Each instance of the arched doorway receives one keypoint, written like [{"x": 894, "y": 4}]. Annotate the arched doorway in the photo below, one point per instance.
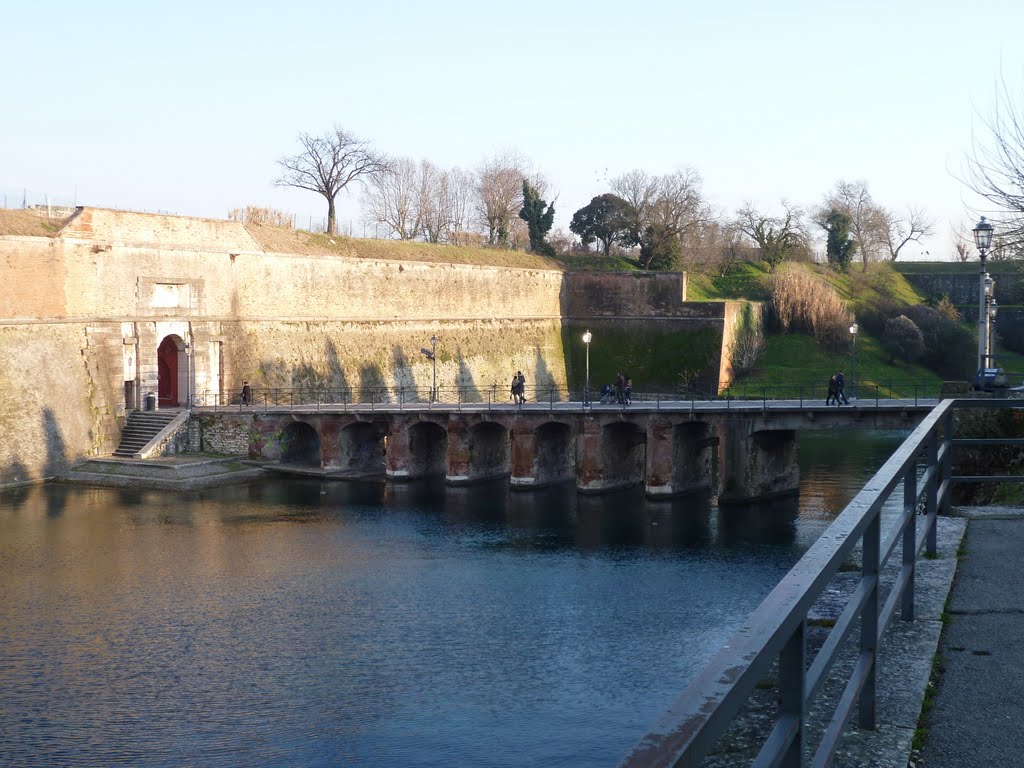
[{"x": 167, "y": 359}]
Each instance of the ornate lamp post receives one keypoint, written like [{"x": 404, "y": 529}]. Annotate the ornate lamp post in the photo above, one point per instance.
[
  {"x": 853, "y": 365},
  {"x": 587, "y": 336},
  {"x": 983, "y": 240}
]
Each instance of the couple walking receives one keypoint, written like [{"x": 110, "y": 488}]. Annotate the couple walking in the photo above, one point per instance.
[
  {"x": 519, "y": 388},
  {"x": 837, "y": 390}
]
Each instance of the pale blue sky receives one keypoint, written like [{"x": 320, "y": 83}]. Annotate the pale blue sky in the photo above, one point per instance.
[{"x": 186, "y": 107}]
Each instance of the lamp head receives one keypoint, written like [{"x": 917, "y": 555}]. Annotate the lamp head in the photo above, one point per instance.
[
  {"x": 587, "y": 336},
  {"x": 983, "y": 236},
  {"x": 854, "y": 328}
]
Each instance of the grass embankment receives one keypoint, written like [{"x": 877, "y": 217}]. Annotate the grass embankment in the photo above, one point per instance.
[
  {"x": 795, "y": 362},
  {"x": 281, "y": 240},
  {"x": 28, "y": 223}
]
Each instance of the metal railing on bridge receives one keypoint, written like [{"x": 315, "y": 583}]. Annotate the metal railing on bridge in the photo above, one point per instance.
[
  {"x": 775, "y": 633},
  {"x": 494, "y": 395}
]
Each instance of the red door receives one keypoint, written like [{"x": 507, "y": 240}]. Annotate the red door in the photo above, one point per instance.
[{"x": 167, "y": 369}]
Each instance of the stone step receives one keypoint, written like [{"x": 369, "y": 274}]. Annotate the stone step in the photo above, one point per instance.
[{"x": 142, "y": 427}]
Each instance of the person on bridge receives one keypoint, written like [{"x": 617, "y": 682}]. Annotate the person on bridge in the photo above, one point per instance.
[
  {"x": 628, "y": 392},
  {"x": 620, "y": 389},
  {"x": 833, "y": 391},
  {"x": 841, "y": 389},
  {"x": 246, "y": 393}
]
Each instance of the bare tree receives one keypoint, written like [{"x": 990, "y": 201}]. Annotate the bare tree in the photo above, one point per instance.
[
  {"x": 327, "y": 164},
  {"x": 457, "y": 194},
  {"x": 499, "y": 195},
  {"x": 962, "y": 243},
  {"x": 662, "y": 211},
  {"x": 908, "y": 229},
  {"x": 777, "y": 237},
  {"x": 996, "y": 165},
  {"x": 394, "y": 198},
  {"x": 868, "y": 221}
]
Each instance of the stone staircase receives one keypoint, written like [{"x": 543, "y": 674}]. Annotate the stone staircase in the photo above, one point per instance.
[{"x": 142, "y": 427}]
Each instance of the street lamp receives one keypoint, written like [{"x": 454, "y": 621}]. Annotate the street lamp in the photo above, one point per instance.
[
  {"x": 587, "y": 336},
  {"x": 983, "y": 240},
  {"x": 431, "y": 355},
  {"x": 853, "y": 366}
]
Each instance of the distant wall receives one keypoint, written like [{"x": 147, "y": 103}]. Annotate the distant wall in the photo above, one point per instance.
[
  {"x": 82, "y": 315},
  {"x": 627, "y": 294}
]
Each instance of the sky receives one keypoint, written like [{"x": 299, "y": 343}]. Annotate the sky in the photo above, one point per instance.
[{"x": 186, "y": 107}]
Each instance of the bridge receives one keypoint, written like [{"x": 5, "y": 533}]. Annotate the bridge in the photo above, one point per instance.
[{"x": 664, "y": 444}]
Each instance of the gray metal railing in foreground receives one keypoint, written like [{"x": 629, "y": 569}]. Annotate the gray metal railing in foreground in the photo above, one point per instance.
[{"x": 776, "y": 630}]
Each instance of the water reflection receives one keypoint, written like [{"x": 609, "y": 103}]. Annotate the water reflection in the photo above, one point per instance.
[{"x": 300, "y": 622}]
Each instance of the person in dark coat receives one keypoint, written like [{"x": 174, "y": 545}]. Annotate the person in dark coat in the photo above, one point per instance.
[
  {"x": 246, "y": 393},
  {"x": 841, "y": 389},
  {"x": 620, "y": 388},
  {"x": 833, "y": 390}
]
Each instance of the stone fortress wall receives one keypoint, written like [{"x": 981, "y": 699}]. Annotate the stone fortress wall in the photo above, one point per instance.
[{"x": 83, "y": 313}]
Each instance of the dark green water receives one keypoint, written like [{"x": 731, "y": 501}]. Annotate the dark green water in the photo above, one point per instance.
[{"x": 307, "y": 624}]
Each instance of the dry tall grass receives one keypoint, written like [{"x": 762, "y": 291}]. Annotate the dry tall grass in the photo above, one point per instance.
[
  {"x": 801, "y": 303},
  {"x": 255, "y": 214}
]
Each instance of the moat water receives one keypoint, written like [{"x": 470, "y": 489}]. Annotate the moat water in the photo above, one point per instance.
[{"x": 294, "y": 623}]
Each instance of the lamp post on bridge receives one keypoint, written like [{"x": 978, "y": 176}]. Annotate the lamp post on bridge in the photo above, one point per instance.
[
  {"x": 431, "y": 355},
  {"x": 983, "y": 240},
  {"x": 587, "y": 336},
  {"x": 853, "y": 365}
]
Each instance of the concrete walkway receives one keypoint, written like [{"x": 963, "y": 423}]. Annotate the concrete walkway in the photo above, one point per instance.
[{"x": 978, "y": 714}]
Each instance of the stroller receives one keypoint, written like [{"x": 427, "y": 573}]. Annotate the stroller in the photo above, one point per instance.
[{"x": 607, "y": 394}]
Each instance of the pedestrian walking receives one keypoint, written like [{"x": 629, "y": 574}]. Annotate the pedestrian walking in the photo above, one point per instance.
[
  {"x": 833, "y": 391},
  {"x": 629, "y": 390},
  {"x": 522, "y": 387},
  {"x": 246, "y": 393},
  {"x": 841, "y": 389},
  {"x": 620, "y": 389}
]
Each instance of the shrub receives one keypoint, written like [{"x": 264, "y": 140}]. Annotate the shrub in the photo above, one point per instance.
[
  {"x": 902, "y": 338},
  {"x": 949, "y": 348},
  {"x": 801, "y": 303}
]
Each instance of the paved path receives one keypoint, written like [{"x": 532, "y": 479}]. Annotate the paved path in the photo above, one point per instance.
[{"x": 978, "y": 715}]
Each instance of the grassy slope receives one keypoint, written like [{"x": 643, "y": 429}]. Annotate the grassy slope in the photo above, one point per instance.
[{"x": 795, "y": 361}]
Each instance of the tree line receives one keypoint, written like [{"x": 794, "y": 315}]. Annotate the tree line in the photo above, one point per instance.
[{"x": 659, "y": 221}]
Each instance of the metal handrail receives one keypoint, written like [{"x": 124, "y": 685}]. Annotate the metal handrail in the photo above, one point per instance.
[
  {"x": 497, "y": 395},
  {"x": 776, "y": 630}
]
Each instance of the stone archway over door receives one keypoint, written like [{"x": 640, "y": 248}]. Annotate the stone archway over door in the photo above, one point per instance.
[{"x": 167, "y": 367}]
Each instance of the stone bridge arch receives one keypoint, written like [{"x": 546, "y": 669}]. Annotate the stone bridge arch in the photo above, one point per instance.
[
  {"x": 678, "y": 457},
  {"x": 300, "y": 444},
  {"x": 477, "y": 450},
  {"x": 612, "y": 455},
  {"x": 428, "y": 450},
  {"x": 361, "y": 447},
  {"x": 542, "y": 455}
]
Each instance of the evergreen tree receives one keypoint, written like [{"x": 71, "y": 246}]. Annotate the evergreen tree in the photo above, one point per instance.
[
  {"x": 539, "y": 216},
  {"x": 840, "y": 245}
]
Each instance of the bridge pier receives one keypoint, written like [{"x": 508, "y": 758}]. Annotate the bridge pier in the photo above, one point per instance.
[
  {"x": 678, "y": 457},
  {"x": 756, "y": 463}
]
